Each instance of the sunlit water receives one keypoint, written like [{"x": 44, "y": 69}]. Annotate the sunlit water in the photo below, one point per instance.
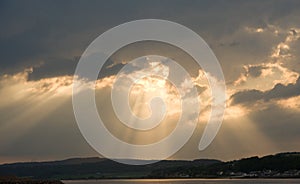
[{"x": 187, "y": 181}]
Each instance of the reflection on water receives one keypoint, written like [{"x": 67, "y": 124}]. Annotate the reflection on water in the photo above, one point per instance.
[{"x": 187, "y": 181}]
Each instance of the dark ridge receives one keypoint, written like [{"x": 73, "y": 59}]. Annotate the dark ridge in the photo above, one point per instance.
[{"x": 281, "y": 165}]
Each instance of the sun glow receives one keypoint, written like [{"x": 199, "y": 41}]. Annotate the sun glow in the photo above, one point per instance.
[{"x": 148, "y": 88}]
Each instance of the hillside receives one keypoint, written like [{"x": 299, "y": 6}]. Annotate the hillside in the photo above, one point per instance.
[
  {"x": 91, "y": 168},
  {"x": 283, "y": 165}
]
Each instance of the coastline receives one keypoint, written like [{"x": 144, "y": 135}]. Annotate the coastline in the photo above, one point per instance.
[{"x": 26, "y": 180}]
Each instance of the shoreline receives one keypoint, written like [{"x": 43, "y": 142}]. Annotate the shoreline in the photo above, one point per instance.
[{"x": 182, "y": 178}]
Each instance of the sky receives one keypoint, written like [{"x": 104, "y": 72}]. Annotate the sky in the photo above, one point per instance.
[{"x": 256, "y": 42}]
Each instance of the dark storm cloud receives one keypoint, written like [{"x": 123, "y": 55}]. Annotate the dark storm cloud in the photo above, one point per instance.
[
  {"x": 37, "y": 31},
  {"x": 55, "y": 33},
  {"x": 279, "y": 91}
]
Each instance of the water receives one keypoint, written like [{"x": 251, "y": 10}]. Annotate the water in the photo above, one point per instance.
[{"x": 187, "y": 181}]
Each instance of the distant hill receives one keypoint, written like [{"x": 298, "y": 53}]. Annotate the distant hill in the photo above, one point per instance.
[
  {"x": 92, "y": 168},
  {"x": 282, "y": 165}
]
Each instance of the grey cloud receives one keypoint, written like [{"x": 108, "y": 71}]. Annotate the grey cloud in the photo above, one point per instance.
[
  {"x": 62, "y": 30},
  {"x": 54, "y": 32},
  {"x": 60, "y": 67},
  {"x": 293, "y": 63},
  {"x": 231, "y": 44},
  {"x": 201, "y": 89},
  {"x": 246, "y": 96},
  {"x": 279, "y": 124},
  {"x": 255, "y": 71},
  {"x": 53, "y": 68},
  {"x": 139, "y": 49},
  {"x": 294, "y": 32},
  {"x": 36, "y": 31},
  {"x": 278, "y": 92}
]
